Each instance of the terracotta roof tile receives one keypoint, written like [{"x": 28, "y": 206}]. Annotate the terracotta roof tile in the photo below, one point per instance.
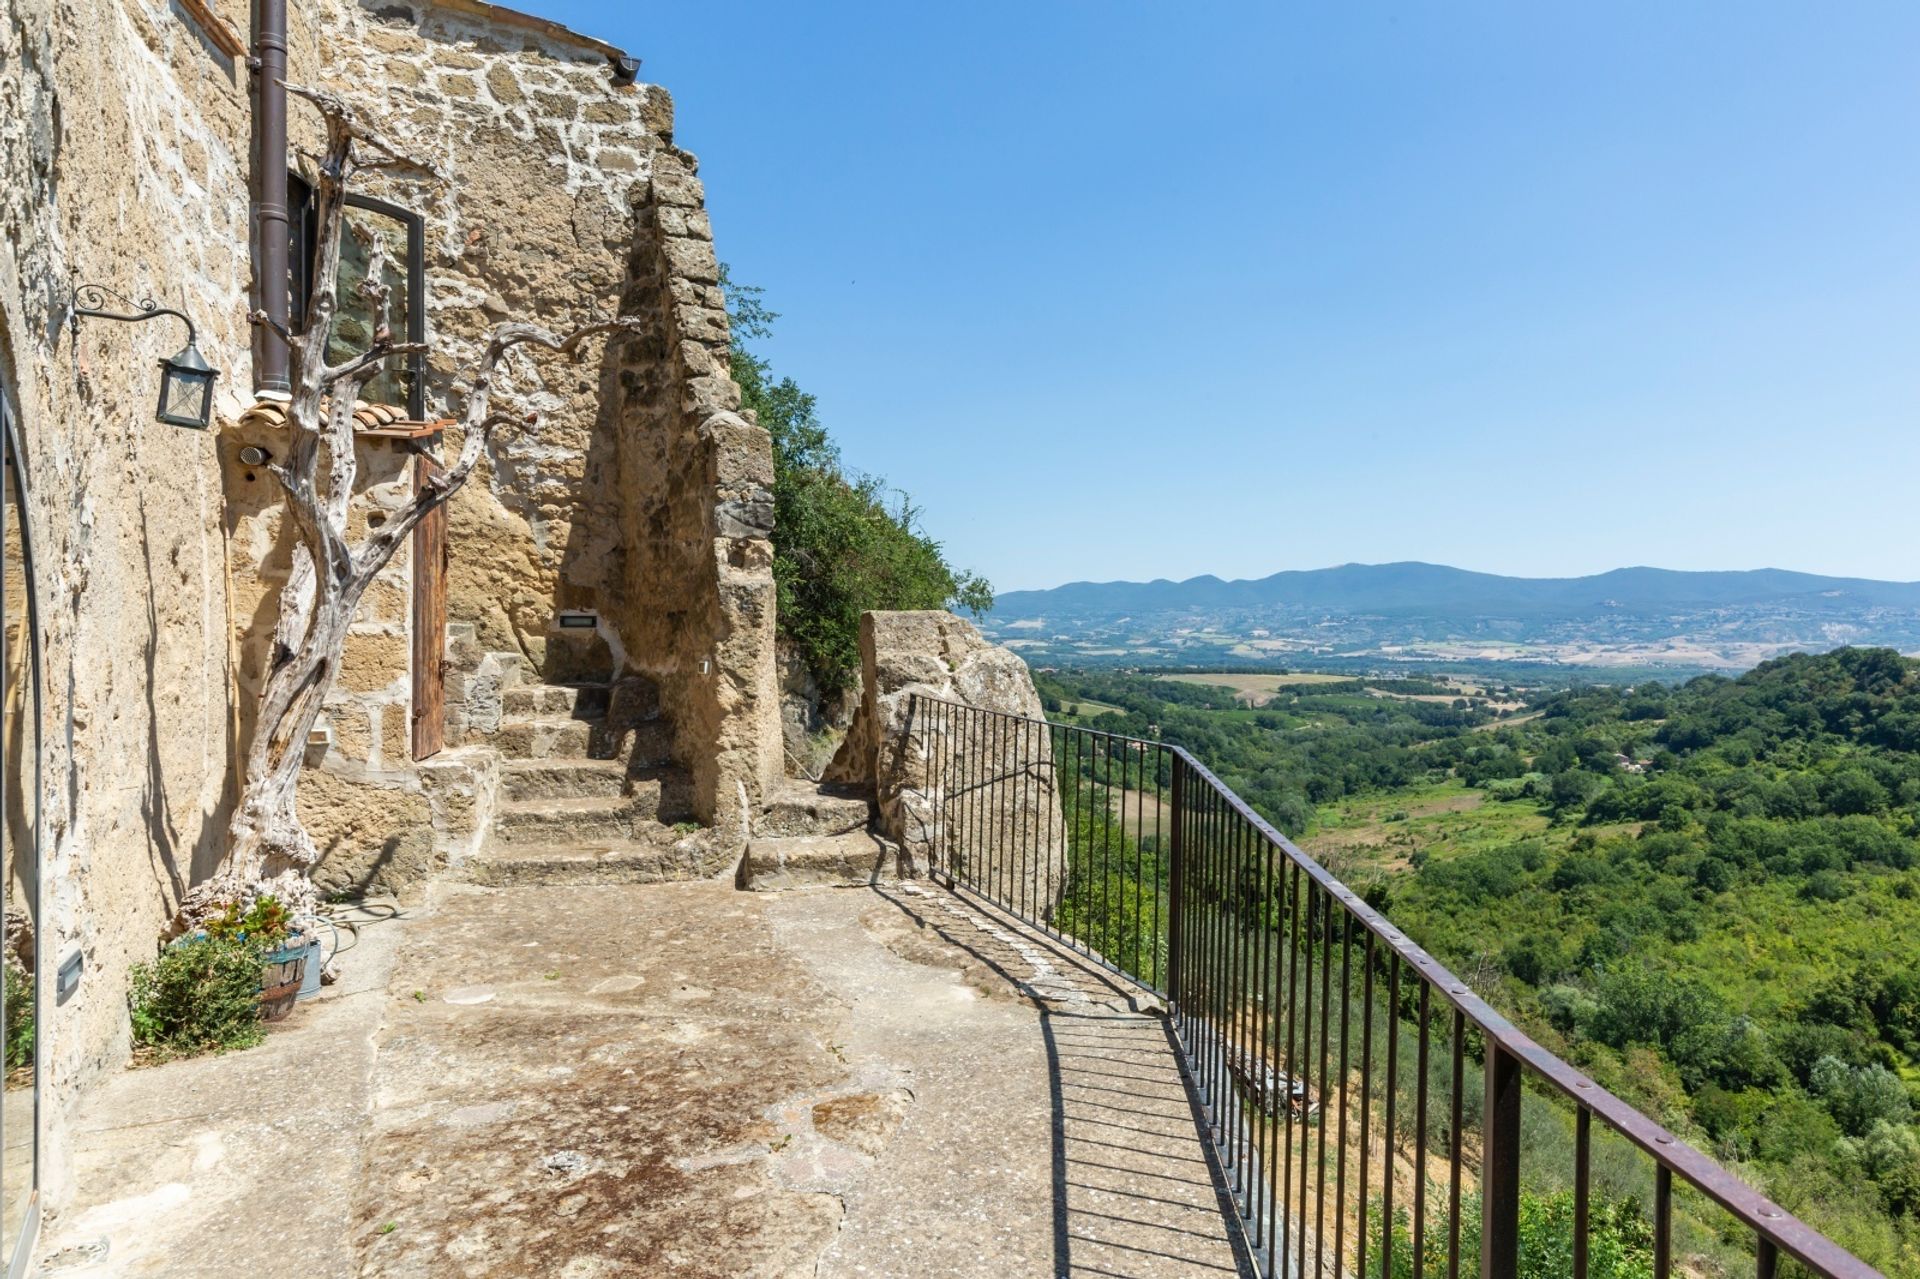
[{"x": 366, "y": 417}]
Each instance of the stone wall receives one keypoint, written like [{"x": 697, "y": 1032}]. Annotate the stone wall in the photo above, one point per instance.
[
  {"x": 539, "y": 149},
  {"x": 927, "y": 765},
  {"x": 638, "y": 495},
  {"x": 696, "y": 604},
  {"x": 542, "y": 151}
]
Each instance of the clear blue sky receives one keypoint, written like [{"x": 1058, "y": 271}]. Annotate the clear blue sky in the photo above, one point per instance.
[{"x": 1134, "y": 290}]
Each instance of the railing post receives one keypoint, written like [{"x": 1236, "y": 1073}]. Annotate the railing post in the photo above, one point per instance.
[
  {"x": 1500, "y": 1167},
  {"x": 1177, "y": 888}
]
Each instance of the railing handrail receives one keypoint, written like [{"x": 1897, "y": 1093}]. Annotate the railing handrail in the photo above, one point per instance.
[{"x": 1754, "y": 1210}]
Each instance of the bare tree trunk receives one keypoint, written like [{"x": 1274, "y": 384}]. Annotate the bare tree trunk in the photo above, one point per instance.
[{"x": 268, "y": 849}]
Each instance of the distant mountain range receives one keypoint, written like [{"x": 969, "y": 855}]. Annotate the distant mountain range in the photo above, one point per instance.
[
  {"x": 1437, "y": 590},
  {"x": 1381, "y": 616}
]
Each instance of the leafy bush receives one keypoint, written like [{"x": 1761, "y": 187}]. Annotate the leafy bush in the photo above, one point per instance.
[
  {"x": 838, "y": 549},
  {"x": 198, "y": 996},
  {"x": 1860, "y": 1096},
  {"x": 19, "y": 997},
  {"x": 1619, "y": 1238}
]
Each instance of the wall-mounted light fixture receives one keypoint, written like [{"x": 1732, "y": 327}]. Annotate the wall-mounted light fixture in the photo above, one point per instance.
[{"x": 186, "y": 379}]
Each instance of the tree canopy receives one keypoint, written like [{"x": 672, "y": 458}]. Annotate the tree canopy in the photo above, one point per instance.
[{"x": 839, "y": 547}]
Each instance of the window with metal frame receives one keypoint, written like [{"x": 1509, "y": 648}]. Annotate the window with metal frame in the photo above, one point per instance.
[{"x": 402, "y": 382}]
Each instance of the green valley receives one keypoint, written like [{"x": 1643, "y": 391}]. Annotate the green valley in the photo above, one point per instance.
[{"x": 1707, "y": 896}]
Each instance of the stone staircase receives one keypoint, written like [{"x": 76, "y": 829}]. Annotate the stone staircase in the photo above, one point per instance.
[
  {"x": 808, "y": 834},
  {"x": 588, "y": 789},
  {"x": 589, "y": 793}
]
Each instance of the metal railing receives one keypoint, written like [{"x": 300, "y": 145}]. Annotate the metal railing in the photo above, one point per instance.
[{"x": 1365, "y": 1104}]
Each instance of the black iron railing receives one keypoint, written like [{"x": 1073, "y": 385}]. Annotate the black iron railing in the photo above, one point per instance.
[{"x": 1365, "y": 1104}]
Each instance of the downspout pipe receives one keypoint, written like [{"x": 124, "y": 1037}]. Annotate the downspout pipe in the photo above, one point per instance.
[{"x": 271, "y": 220}]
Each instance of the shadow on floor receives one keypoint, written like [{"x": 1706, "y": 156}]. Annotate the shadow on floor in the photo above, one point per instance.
[{"x": 1137, "y": 1193}]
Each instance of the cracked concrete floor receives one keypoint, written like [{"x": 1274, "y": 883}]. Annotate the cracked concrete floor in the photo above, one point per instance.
[{"x": 676, "y": 1080}]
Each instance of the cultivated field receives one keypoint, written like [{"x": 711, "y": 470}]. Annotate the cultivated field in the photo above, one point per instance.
[{"x": 1257, "y": 690}]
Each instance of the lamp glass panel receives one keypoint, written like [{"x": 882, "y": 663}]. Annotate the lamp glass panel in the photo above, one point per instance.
[{"x": 185, "y": 396}]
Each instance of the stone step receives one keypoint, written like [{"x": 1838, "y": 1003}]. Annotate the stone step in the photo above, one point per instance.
[
  {"x": 660, "y": 794},
  {"x": 660, "y": 859},
  {"x": 647, "y": 744},
  {"x": 543, "y": 738},
  {"x": 522, "y": 779},
  {"x": 514, "y": 668},
  {"x": 568, "y": 701},
  {"x": 814, "y": 861},
  {"x": 522, "y": 822},
  {"x": 653, "y": 796},
  {"x": 809, "y": 808}
]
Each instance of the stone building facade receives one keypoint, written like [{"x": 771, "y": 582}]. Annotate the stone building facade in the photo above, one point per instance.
[{"x": 614, "y": 553}]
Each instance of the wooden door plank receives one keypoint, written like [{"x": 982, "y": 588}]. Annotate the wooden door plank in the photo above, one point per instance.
[{"x": 429, "y": 618}]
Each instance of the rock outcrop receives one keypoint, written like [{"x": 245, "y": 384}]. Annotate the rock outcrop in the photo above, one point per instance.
[{"x": 921, "y": 769}]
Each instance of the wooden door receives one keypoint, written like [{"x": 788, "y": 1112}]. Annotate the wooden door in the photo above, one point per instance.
[{"x": 429, "y": 616}]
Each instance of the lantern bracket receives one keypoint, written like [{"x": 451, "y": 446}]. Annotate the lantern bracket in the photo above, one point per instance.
[
  {"x": 90, "y": 300},
  {"x": 186, "y": 379}
]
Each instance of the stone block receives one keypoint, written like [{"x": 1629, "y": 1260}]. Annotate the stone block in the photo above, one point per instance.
[
  {"x": 353, "y": 733},
  {"x": 703, "y": 396},
  {"x": 656, "y": 113},
  {"x": 501, "y": 83},
  {"x": 396, "y": 734},
  {"x": 691, "y": 259},
  {"x": 673, "y": 186},
  {"x": 370, "y": 663},
  {"x": 607, "y": 111}
]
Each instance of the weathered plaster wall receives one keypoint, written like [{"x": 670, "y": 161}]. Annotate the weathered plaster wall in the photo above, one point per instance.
[
  {"x": 123, "y": 150},
  {"x": 123, "y": 159}
]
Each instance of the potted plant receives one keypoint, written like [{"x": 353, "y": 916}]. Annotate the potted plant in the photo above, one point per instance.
[{"x": 285, "y": 951}]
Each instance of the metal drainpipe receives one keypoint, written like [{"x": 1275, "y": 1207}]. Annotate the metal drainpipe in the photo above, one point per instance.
[{"x": 270, "y": 216}]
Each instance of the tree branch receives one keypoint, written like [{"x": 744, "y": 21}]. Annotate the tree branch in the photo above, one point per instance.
[
  {"x": 367, "y": 359},
  {"x": 339, "y": 116},
  {"x": 286, "y": 335}
]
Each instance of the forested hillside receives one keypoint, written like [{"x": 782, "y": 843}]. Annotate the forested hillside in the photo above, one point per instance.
[{"x": 1707, "y": 896}]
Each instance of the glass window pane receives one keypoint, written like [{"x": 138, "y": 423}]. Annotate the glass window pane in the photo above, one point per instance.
[
  {"x": 186, "y": 396},
  {"x": 353, "y": 322}
]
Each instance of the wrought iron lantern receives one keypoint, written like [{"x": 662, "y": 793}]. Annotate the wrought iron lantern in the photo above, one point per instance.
[{"x": 186, "y": 379}]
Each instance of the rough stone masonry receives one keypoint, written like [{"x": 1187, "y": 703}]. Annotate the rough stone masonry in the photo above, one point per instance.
[{"x": 895, "y": 749}]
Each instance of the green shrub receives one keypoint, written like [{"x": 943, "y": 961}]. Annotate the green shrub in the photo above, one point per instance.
[
  {"x": 199, "y": 996},
  {"x": 19, "y": 996},
  {"x": 839, "y": 549}
]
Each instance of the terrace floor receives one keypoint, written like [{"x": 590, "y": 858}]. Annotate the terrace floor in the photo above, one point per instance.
[{"x": 678, "y": 1080}]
